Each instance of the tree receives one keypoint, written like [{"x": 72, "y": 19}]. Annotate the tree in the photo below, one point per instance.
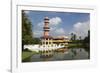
[
  {"x": 73, "y": 36},
  {"x": 89, "y": 36},
  {"x": 36, "y": 41},
  {"x": 27, "y": 37},
  {"x": 86, "y": 40},
  {"x": 80, "y": 38}
]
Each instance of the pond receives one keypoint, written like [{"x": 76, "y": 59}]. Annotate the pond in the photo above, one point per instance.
[{"x": 69, "y": 54}]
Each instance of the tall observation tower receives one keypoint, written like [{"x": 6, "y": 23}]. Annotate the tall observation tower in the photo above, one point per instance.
[
  {"x": 46, "y": 27},
  {"x": 46, "y": 39}
]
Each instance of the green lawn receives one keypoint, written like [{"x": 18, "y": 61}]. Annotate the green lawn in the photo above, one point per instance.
[
  {"x": 78, "y": 45},
  {"x": 75, "y": 45},
  {"x": 27, "y": 54}
]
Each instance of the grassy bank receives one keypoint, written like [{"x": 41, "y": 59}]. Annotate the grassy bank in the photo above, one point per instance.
[
  {"x": 27, "y": 54},
  {"x": 77, "y": 46}
]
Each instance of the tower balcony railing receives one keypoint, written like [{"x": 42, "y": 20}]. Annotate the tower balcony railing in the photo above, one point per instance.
[
  {"x": 46, "y": 28},
  {"x": 46, "y": 22}
]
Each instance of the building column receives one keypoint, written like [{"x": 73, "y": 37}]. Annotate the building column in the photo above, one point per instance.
[
  {"x": 48, "y": 41},
  {"x": 51, "y": 42},
  {"x": 45, "y": 42},
  {"x": 42, "y": 41}
]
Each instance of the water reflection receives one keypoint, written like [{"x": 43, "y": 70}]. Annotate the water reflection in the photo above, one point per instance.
[{"x": 70, "y": 54}]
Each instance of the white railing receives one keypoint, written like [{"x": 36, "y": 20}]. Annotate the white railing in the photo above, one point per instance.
[{"x": 43, "y": 47}]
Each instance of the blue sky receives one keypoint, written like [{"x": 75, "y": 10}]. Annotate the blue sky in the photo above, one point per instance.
[{"x": 61, "y": 23}]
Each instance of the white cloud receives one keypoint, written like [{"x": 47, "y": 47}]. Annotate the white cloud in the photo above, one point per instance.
[
  {"x": 55, "y": 21},
  {"x": 60, "y": 31},
  {"x": 81, "y": 28},
  {"x": 27, "y": 12},
  {"x": 40, "y": 24},
  {"x": 38, "y": 33},
  {"x": 77, "y": 25}
]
